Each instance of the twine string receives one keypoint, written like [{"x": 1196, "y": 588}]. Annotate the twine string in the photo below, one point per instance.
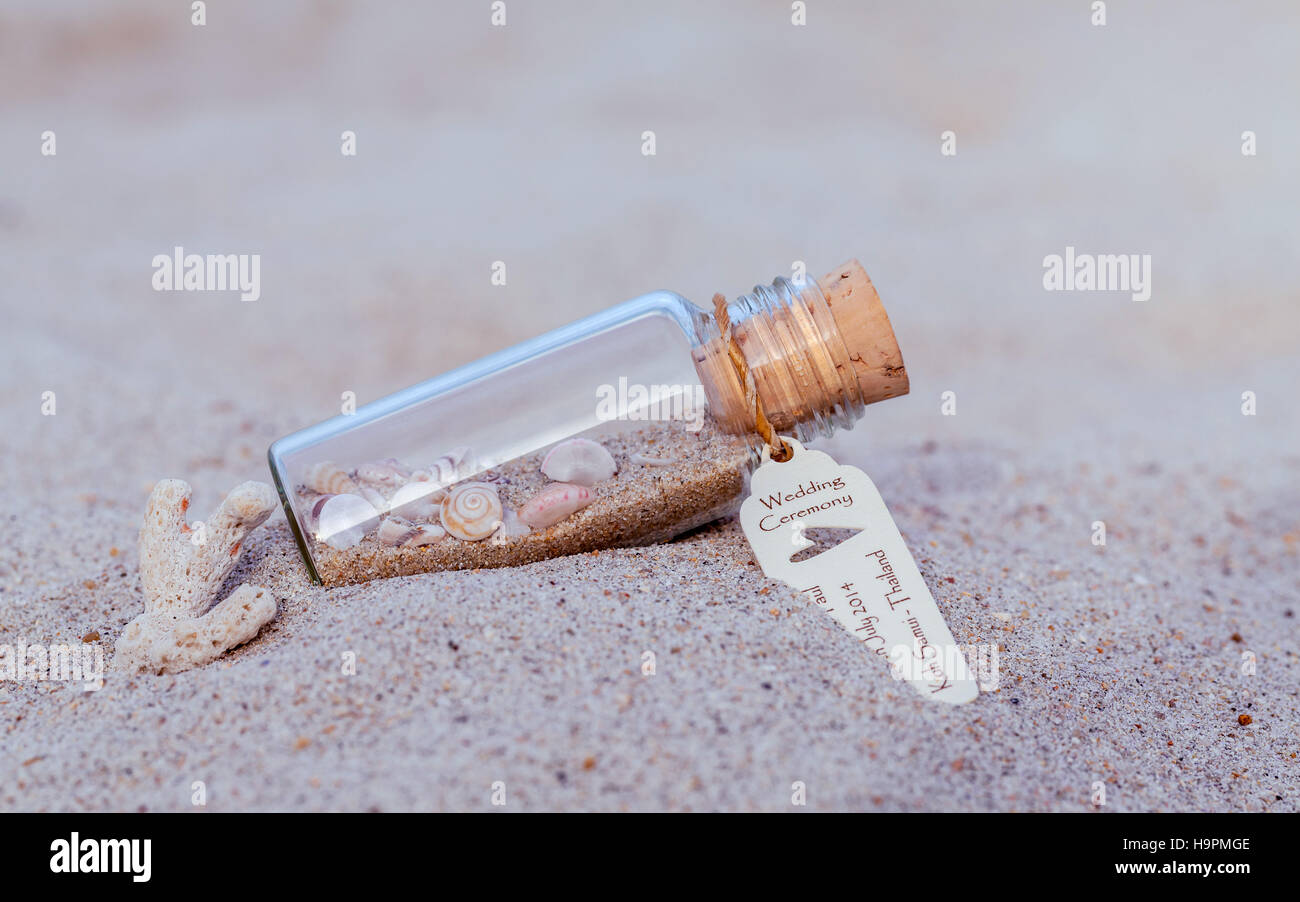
[{"x": 781, "y": 450}]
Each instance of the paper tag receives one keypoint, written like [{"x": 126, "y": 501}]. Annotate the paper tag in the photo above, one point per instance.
[{"x": 869, "y": 582}]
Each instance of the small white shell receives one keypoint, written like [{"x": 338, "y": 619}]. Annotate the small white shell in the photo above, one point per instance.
[
  {"x": 646, "y": 460},
  {"x": 511, "y": 526},
  {"x": 417, "y": 500},
  {"x": 396, "y": 531},
  {"x": 579, "y": 461},
  {"x": 555, "y": 502},
  {"x": 374, "y": 496},
  {"x": 472, "y": 511},
  {"x": 426, "y": 534},
  {"x": 383, "y": 474},
  {"x": 329, "y": 478},
  {"x": 342, "y": 521}
]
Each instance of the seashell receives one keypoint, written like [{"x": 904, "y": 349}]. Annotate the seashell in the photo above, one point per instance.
[
  {"x": 388, "y": 473},
  {"x": 312, "y": 517},
  {"x": 329, "y": 478},
  {"x": 555, "y": 502},
  {"x": 450, "y": 467},
  {"x": 430, "y": 477},
  {"x": 646, "y": 460},
  {"x": 396, "y": 531},
  {"x": 579, "y": 461},
  {"x": 342, "y": 521},
  {"x": 374, "y": 496},
  {"x": 511, "y": 526},
  {"x": 472, "y": 511},
  {"x": 425, "y": 476},
  {"x": 417, "y": 500},
  {"x": 426, "y": 534}
]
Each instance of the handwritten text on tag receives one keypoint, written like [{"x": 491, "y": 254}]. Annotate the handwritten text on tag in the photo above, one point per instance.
[{"x": 869, "y": 582}]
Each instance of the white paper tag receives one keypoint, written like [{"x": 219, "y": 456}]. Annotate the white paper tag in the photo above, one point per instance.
[{"x": 869, "y": 582}]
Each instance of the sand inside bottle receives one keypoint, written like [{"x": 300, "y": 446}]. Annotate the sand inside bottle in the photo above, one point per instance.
[{"x": 669, "y": 479}]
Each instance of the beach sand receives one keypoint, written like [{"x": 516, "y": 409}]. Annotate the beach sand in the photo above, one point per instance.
[{"x": 1128, "y": 666}]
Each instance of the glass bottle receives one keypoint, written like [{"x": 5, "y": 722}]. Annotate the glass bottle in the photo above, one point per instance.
[{"x": 624, "y": 428}]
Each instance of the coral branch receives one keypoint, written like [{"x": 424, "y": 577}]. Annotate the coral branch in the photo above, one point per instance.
[{"x": 182, "y": 567}]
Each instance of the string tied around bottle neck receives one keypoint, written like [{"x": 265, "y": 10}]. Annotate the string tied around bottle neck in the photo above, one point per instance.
[{"x": 780, "y": 448}]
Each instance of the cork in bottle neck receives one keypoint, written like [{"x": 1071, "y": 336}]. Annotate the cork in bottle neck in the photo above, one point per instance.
[{"x": 819, "y": 353}]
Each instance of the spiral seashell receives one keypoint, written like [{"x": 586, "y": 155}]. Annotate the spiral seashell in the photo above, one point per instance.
[
  {"x": 555, "y": 502},
  {"x": 329, "y": 478},
  {"x": 342, "y": 521},
  {"x": 396, "y": 531},
  {"x": 426, "y": 534},
  {"x": 417, "y": 500},
  {"x": 579, "y": 461},
  {"x": 388, "y": 473},
  {"x": 472, "y": 511}
]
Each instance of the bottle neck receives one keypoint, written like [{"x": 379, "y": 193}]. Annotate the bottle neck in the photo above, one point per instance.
[{"x": 818, "y": 353}]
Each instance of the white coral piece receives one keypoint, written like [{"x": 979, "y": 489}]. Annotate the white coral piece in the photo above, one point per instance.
[{"x": 180, "y": 627}]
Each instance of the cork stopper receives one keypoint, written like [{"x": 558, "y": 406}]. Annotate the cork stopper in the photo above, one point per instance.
[
  {"x": 818, "y": 353},
  {"x": 863, "y": 324}
]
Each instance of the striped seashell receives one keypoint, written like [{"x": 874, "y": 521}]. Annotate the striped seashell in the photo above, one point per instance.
[
  {"x": 388, "y": 473},
  {"x": 579, "y": 461},
  {"x": 342, "y": 521},
  {"x": 472, "y": 511},
  {"x": 450, "y": 467},
  {"x": 396, "y": 531},
  {"x": 555, "y": 502},
  {"x": 329, "y": 478},
  {"x": 417, "y": 500},
  {"x": 426, "y": 534}
]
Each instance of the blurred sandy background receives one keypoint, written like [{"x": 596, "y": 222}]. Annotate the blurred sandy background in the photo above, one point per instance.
[{"x": 775, "y": 143}]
